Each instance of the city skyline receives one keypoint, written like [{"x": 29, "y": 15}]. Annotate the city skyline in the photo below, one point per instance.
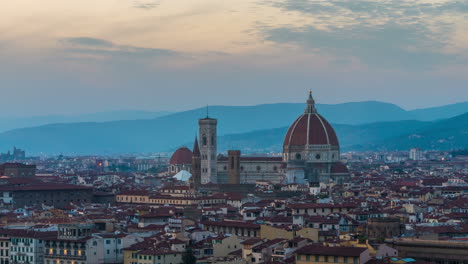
[{"x": 71, "y": 58}]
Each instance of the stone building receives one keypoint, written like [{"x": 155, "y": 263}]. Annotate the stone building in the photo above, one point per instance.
[
  {"x": 180, "y": 160},
  {"x": 384, "y": 227},
  {"x": 27, "y": 246},
  {"x": 311, "y": 155},
  {"x": 77, "y": 244},
  {"x": 14, "y": 170},
  {"x": 249, "y": 170},
  {"x": 311, "y": 149},
  {"x": 57, "y": 195},
  {"x": 208, "y": 149}
]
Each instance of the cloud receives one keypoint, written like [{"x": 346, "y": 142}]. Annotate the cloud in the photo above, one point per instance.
[
  {"x": 385, "y": 34},
  {"x": 100, "y": 48},
  {"x": 86, "y": 41},
  {"x": 146, "y": 4}
]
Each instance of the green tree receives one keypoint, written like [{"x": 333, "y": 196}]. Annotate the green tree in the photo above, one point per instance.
[{"x": 188, "y": 257}]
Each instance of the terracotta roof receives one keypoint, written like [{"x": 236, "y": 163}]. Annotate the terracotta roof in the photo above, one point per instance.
[
  {"x": 312, "y": 129},
  {"x": 231, "y": 223},
  {"x": 181, "y": 156},
  {"x": 339, "y": 167},
  {"x": 44, "y": 187},
  {"x": 331, "y": 251},
  {"x": 254, "y": 159}
]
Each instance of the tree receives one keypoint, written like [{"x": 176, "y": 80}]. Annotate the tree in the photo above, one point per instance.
[{"x": 188, "y": 257}]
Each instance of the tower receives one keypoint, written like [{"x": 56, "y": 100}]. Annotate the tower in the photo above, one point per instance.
[
  {"x": 196, "y": 165},
  {"x": 208, "y": 149},
  {"x": 234, "y": 166}
]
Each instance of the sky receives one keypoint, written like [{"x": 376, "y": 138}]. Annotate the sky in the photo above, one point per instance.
[{"x": 71, "y": 57}]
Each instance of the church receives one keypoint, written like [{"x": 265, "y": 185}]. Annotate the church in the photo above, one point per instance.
[{"x": 311, "y": 155}]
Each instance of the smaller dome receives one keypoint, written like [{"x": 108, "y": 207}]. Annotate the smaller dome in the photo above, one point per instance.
[
  {"x": 339, "y": 167},
  {"x": 181, "y": 156}
]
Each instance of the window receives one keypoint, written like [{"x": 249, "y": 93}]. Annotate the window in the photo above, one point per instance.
[
  {"x": 317, "y": 156},
  {"x": 298, "y": 156},
  {"x": 345, "y": 259},
  {"x": 307, "y": 258},
  {"x": 335, "y": 259},
  {"x": 356, "y": 260},
  {"x": 326, "y": 258},
  {"x": 298, "y": 257},
  {"x": 317, "y": 258}
]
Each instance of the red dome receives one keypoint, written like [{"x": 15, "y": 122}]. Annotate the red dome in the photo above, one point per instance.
[
  {"x": 310, "y": 129},
  {"x": 181, "y": 156}
]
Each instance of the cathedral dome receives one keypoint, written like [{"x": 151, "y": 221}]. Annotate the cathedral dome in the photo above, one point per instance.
[
  {"x": 181, "y": 156},
  {"x": 310, "y": 129}
]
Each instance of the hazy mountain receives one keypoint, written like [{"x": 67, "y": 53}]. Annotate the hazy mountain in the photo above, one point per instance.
[
  {"x": 397, "y": 135},
  {"x": 441, "y": 112},
  {"x": 446, "y": 134},
  {"x": 171, "y": 131},
  {"x": 8, "y": 123}
]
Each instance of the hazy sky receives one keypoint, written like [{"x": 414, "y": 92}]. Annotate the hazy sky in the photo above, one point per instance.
[{"x": 70, "y": 56}]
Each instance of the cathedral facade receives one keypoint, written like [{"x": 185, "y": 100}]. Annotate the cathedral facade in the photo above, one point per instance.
[{"x": 311, "y": 155}]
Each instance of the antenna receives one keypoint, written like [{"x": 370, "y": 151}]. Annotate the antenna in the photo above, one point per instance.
[{"x": 207, "y": 111}]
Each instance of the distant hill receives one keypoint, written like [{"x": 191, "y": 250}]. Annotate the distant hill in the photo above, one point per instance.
[
  {"x": 445, "y": 134},
  {"x": 168, "y": 132},
  {"x": 9, "y": 123},
  {"x": 441, "y": 112}
]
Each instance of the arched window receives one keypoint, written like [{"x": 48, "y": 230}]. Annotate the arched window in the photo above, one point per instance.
[
  {"x": 204, "y": 140},
  {"x": 317, "y": 156},
  {"x": 258, "y": 168},
  {"x": 298, "y": 156}
]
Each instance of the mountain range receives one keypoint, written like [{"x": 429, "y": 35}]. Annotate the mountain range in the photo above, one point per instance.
[
  {"x": 9, "y": 123},
  {"x": 359, "y": 125},
  {"x": 446, "y": 134}
]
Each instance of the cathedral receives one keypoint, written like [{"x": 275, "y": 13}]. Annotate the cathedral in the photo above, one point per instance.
[{"x": 311, "y": 155}]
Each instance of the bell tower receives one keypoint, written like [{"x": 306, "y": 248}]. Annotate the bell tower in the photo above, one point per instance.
[{"x": 208, "y": 149}]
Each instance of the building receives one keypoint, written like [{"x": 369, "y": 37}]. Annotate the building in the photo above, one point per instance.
[
  {"x": 208, "y": 149},
  {"x": 180, "y": 160},
  {"x": 14, "y": 170},
  {"x": 52, "y": 194},
  {"x": 311, "y": 154},
  {"x": 311, "y": 150},
  {"x": 77, "y": 244},
  {"x": 383, "y": 227},
  {"x": 432, "y": 251},
  {"x": 237, "y": 169},
  {"x": 18, "y": 154},
  {"x": 4, "y": 249},
  {"x": 27, "y": 246},
  {"x": 238, "y": 228},
  {"x": 320, "y": 254},
  {"x": 415, "y": 154}
]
